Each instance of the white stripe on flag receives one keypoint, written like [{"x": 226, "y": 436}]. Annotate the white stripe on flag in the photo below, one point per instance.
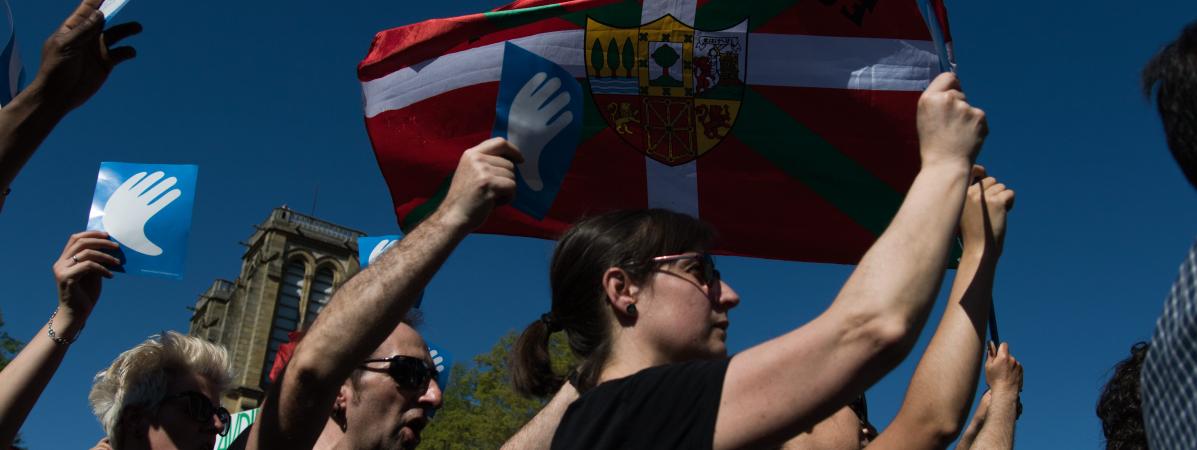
[
  {"x": 454, "y": 71},
  {"x": 673, "y": 188},
  {"x": 842, "y": 62},
  {"x": 795, "y": 61},
  {"x": 682, "y": 10}
]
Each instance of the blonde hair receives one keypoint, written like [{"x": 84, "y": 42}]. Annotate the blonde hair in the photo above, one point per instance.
[{"x": 139, "y": 376}]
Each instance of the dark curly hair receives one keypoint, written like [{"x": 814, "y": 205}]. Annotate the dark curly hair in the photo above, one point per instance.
[
  {"x": 1119, "y": 406},
  {"x": 1174, "y": 71}
]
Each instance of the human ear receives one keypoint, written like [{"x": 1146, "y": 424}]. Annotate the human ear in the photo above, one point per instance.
[{"x": 620, "y": 291}]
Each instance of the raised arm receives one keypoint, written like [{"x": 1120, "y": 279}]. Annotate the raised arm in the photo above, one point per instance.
[
  {"x": 537, "y": 434},
  {"x": 76, "y": 60},
  {"x": 776, "y": 389},
  {"x": 1004, "y": 374},
  {"x": 974, "y": 426},
  {"x": 945, "y": 380},
  {"x": 78, "y": 272},
  {"x": 364, "y": 311}
]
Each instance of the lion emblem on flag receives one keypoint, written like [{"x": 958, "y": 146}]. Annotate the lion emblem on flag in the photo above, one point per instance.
[{"x": 671, "y": 91}]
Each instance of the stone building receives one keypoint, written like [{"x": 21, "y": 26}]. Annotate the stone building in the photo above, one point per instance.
[{"x": 292, "y": 264}]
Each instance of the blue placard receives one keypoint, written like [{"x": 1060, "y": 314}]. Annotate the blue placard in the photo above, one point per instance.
[
  {"x": 444, "y": 366},
  {"x": 370, "y": 248},
  {"x": 539, "y": 111},
  {"x": 147, "y": 209}
]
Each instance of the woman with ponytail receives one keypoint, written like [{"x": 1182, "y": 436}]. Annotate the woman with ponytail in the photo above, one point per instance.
[{"x": 646, "y": 313}]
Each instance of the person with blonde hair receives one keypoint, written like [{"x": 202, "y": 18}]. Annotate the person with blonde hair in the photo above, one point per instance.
[{"x": 164, "y": 393}]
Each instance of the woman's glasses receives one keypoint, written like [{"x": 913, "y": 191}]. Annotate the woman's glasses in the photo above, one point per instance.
[
  {"x": 703, "y": 268},
  {"x": 200, "y": 408},
  {"x": 408, "y": 371}
]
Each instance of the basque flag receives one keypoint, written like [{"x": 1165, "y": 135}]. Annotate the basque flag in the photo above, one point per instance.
[{"x": 789, "y": 125}]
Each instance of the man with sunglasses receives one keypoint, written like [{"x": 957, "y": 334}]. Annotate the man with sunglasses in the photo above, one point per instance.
[{"x": 359, "y": 364}]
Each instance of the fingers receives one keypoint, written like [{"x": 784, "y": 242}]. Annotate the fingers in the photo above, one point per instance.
[
  {"x": 83, "y": 268},
  {"x": 116, "y": 33},
  {"x": 1003, "y": 350},
  {"x": 499, "y": 147},
  {"x": 978, "y": 174},
  {"x": 82, "y": 13},
  {"x": 94, "y": 234},
  {"x": 555, "y": 106},
  {"x": 531, "y": 86},
  {"x": 549, "y": 88},
  {"x": 946, "y": 81},
  {"x": 164, "y": 201},
  {"x": 96, "y": 256}
]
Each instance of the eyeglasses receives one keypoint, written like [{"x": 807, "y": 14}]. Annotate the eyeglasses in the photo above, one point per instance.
[
  {"x": 703, "y": 268},
  {"x": 200, "y": 407},
  {"x": 408, "y": 371}
]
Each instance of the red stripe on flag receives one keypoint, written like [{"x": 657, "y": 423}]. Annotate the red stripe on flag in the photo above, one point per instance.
[
  {"x": 418, "y": 148},
  {"x": 887, "y": 20},
  {"x": 751, "y": 202},
  {"x": 874, "y": 128}
]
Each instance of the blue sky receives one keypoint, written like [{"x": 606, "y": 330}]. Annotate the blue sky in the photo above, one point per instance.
[{"x": 266, "y": 101}]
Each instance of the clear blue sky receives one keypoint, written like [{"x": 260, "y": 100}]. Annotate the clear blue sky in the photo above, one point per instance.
[{"x": 265, "y": 100}]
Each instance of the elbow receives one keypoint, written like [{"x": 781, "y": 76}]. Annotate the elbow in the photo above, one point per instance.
[{"x": 890, "y": 339}]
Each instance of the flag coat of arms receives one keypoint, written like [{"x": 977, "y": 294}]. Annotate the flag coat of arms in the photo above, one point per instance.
[{"x": 788, "y": 125}]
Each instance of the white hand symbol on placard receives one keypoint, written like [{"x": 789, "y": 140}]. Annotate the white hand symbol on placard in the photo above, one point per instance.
[
  {"x": 130, "y": 207},
  {"x": 437, "y": 360},
  {"x": 379, "y": 249},
  {"x": 531, "y": 124}
]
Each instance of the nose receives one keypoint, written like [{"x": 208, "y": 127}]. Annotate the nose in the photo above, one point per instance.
[
  {"x": 728, "y": 298},
  {"x": 432, "y": 396}
]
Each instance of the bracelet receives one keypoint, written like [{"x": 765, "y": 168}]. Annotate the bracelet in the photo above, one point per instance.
[{"x": 54, "y": 337}]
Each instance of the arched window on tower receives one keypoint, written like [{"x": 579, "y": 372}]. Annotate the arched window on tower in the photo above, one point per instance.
[
  {"x": 322, "y": 289},
  {"x": 286, "y": 312}
]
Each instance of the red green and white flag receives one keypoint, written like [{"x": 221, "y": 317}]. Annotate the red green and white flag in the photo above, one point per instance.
[{"x": 788, "y": 125}]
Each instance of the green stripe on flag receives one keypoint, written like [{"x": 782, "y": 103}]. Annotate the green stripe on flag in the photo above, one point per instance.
[
  {"x": 804, "y": 155},
  {"x": 419, "y": 213},
  {"x": 516, "y": 17},
  {"x": 592, "y": 119},
  {"x": 723, "y": 14}
]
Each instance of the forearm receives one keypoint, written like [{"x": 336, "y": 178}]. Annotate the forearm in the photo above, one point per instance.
[
  {"x": 26, "y": 376},
  {"x": 24, "y": 124},
  {"x": 941, "y": 390},
  {"x": 970, "y": 434},
  {"x": 361, "y": 314},
  {"x": 538, "y": 433},
  {"x": 998, "y": 431}
]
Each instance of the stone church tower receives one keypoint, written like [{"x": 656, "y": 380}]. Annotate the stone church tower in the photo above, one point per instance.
[{"x": 292, "y": 265}]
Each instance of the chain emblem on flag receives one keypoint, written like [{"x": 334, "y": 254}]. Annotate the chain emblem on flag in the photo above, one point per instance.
[{"x": 669, "y": 90}]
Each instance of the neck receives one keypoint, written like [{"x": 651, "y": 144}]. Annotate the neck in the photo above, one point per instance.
[
  {"x": 628, "y": 356},
  {"x": 331, "y": 437}
]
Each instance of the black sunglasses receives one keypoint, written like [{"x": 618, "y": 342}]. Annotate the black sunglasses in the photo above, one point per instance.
[
  {"x": 408, "y": 371},
  {"x": 707, "y": 274},
  {"x": 200, "y": 407}
]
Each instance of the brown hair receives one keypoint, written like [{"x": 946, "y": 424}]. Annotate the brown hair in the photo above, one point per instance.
[{"x": 624, "y": 239}]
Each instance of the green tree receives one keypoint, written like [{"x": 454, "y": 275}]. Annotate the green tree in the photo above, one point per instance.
[
  {"x": 665, "y": 56},
  {"x": 629, "y": 56},
  {"x": 613, "y": 57},
  {"x": 481, "y": 409},
  {"x": 596, "y": 58},
  {"x": 9, "y": 348}
]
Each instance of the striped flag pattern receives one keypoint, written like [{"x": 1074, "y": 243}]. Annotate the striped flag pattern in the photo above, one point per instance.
[{"x": 808, "y": 160}]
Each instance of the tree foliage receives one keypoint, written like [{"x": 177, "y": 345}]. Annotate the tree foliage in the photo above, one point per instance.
[
  {"x": 481, "y": 409},
  {"x": 9, "y": 347}
]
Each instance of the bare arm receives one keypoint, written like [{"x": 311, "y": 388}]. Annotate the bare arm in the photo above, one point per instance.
[
  {"x": 364, "y": 311},
  {"x": 1004, "y": 374},
  {"x": 945, "y": 380},
  {"x": 24, "y": 379},
  {"x": 875, "y": 319},
  {"x": 538, "y": 433},
  {"x": 75, "y": 63},
  {"x": 974, "y": 426}
]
